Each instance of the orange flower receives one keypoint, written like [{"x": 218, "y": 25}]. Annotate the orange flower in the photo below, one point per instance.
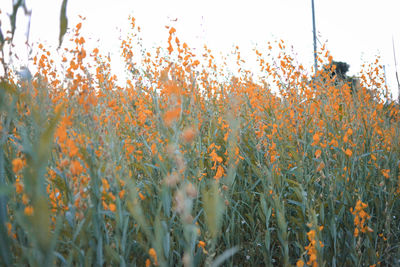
[
  {"x": 349, "y": 131},
  {"x": 153, "y": 255},
  {"x": 201, "y": 244},
  {"x": 171, "y": 116},
  {"x": 334, "y": 143},
  {"x": 170, "y": 49},
  {"x": 28, "y": 210},
  {"x": 315, "y": 139},
  {"x": 78, "y": 26},
  {"x": 19, "y": 188},
  {"x": 300, "y": 263},
  {"x": 81, "y": 41},
  {"x": 318, "y": 153},
  {"x": 17, "y": 165},
  {"x": 386, "y": 173},
  {"x": 61, "y": 133},
  {"x": 75, "y": 168},
  {"x": 320, "y": 166},
  {"x": 311, "y": 248},
  {"x": 172, "y": 30},
  {"x": 188, "y": 135},
  {"x": 360, "y": 217},
  {"x": 73, "y": 149},
  {"x": 121, "y": 193},
  {"x": 348, "y": 152},
  {"x": 105, "y": 183},
  {"x": 215, "y": 157},
  {"x": 153, "y": 148},
  {"x": 9, "y": 230},
  {"x": 112, "y": 207},
  {"x": 25, "y": 199},
  {"x": 220, "y": 173}
]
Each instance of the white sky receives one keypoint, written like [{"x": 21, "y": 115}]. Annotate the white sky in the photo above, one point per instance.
[{"x": 355, "y": 30}]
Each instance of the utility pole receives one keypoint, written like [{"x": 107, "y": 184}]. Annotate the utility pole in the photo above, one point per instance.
[
  {"x": 397, "y": 75},
  {"x": 315, "y": 38}
]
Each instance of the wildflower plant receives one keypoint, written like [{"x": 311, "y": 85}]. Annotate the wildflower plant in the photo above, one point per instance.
[{"x": 186, "y": 163}]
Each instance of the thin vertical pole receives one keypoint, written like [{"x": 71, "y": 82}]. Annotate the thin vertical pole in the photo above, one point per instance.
[
  {"x": 395, "y": 68},
  {"x": 315, "y": 38}
]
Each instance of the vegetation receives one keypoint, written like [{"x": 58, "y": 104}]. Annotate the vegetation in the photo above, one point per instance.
[{"x": 186, "y": 165}]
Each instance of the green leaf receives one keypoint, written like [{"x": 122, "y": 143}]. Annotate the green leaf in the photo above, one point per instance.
[
  {"x": 111, "y": 253},
  {"x": 224, "y": 256},
  {"x": 214, "y": 209},
  {"x": 166, "y": 200},
  {"x": 63, "y": 21}
]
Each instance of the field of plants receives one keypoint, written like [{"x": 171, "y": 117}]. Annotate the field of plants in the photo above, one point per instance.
[{"x": 185, "y": 165}]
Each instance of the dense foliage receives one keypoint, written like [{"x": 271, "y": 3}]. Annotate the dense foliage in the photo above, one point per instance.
[{"x": 185, "y": 165}]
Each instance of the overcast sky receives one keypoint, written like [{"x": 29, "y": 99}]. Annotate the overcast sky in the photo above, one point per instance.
[{"x": 355, "y": 30}]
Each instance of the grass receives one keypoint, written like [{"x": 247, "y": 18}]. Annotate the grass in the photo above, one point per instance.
[{"x": 182, "y": 166}]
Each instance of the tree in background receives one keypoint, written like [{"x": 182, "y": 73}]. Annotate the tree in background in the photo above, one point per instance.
[{"x": 339, "y": 70}]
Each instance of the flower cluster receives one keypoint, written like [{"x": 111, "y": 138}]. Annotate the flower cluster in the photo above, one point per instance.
[
  {"x": 311, "y": 249},
  {"x": 360, "y": 216}
]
